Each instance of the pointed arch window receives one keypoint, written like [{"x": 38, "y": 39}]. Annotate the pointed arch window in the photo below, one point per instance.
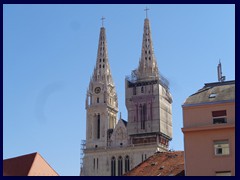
[
  {"x": 98, "y": 100},
  {"x": 103, "y": 60},
  {"x": 113, "y": 166},
  {"x": 103, "y": 66},
  {"x": 142, "y": 89},
  {"x": 143, "y": 111},
  {"x": 98, "y": 126},
  {"x": 134, "y": 90},
  {"x": 127, "y": 168},
  {"x": 100, "y": 60},
  {"x": 120, "y": 166}
]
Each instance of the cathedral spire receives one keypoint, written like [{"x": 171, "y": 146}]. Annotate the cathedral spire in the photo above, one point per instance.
[
  {"x": 147, "y": 68},
  {"x": 102, "y": 71}
]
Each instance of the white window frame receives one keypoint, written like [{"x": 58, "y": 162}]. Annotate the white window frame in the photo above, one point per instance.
[
  {"x": 223, "y": 173},
  {"x": 223, "y": 145}
]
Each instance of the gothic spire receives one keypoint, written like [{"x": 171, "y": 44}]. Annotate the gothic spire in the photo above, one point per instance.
[
  {"x": 147, "y": 68},
  {"x": 102, "y": 71}
]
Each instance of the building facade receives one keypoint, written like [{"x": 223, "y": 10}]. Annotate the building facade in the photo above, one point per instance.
[
  {"x": 114, "y": 147},
  {"x": 209, "y": 130}
]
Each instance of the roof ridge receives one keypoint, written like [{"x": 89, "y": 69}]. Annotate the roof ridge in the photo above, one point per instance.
[
  {"x": 47, "y": 163},
  {"x": 32, "y": 162}
]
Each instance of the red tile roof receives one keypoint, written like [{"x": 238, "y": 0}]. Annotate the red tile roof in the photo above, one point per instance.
[
  {"x": 160, "y": 164},
  {"x": 22, "y": 165}
]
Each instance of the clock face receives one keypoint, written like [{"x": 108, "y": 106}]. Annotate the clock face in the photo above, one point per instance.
[{"x": 97, "y": 90}]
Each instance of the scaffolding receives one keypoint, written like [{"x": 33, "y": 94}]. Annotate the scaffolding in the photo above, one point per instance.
[{"x": 83, "y": 147}]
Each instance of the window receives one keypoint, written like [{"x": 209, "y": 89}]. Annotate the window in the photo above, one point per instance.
[
  {"x": 143, "y": 111},
  {"x": 103, "y": 66},
  {"x": 134, "y": 90},
  {"x": 93, "y": 163},
  {"x": 127, "y": 164},
  {"x": 149, "y": 58},
  {"x": 219, "y": 116},
  {"x": 98, "y": 126},
  {"x": 100, "y": 60},
  {"x": 103, "y": 60},
  {"x": 145, "y": 52},
  {"x": 213, "y": 95},
  {"x": 142, "y": 89},
  {"x": 97, "y": 163},
  {"x": 97, "y": 100},
  {"x": 99, "y": 65},
  {"x": 223, "y": 173},
  {"x": 221, "y": 148},
  {"x": 219, "y": 120},
  {"x": 113, "y": 166},
  {"x": 120, "y": 168}
]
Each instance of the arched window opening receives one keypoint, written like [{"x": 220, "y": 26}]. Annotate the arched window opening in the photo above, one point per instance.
[
  {"x": 120, "y": 164},
  {"x": 134, "y": 90},
  {"x": 100, "y": 60},
  {"x": 99, "y": 65},
  {"x": 98, "y": 126},
  {"x": 98, "y": 100},
  {"x": 127, "y": 168},
  {"x": 113, "y": 166},
  {"x": 142, "y": 89}
]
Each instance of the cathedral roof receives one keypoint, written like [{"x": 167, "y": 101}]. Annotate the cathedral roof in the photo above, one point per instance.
[
  {"x": 124, "y": 122},
  {"x": 160, "y": 164}
]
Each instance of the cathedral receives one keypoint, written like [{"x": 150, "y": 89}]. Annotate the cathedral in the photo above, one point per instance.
[{"x": 115, "y": 146}]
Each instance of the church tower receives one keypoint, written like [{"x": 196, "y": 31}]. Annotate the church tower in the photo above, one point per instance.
[
  {"x": 148, "y": 99},
  {"x": 101, "y": 99}
]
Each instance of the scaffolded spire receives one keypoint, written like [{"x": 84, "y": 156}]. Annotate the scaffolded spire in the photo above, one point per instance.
[{"x": 147, "y": 68}]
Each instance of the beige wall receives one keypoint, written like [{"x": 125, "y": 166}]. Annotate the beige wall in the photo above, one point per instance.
[
  {"x": 202, "y": 115},
  {"x": 199, "y": 136}
]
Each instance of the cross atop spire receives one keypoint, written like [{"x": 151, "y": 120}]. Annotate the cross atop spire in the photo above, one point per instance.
[
  {"x": 146, "y": 9},
  {"x": 103, "y": 18}
]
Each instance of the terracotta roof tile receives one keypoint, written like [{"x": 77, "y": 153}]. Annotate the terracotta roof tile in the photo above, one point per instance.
[{"x": 160, "y": 164}]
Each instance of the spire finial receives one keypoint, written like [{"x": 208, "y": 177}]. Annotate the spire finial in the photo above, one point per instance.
[
  {"x": 102, "y": 20},
  {"x": 146, "y": 9}
]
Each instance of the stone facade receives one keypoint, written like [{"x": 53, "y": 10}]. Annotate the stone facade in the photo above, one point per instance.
[{"x": 113, "y": 148}]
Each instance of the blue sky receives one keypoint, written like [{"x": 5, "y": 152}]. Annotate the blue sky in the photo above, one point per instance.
[{"x": 49, "y": 52}]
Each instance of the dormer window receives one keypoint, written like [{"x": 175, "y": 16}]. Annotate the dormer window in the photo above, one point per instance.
[{"x": 213, "y": 95}]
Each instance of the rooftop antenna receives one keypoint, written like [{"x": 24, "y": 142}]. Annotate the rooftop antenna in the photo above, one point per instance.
[{"x": 219, "y": 70}]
